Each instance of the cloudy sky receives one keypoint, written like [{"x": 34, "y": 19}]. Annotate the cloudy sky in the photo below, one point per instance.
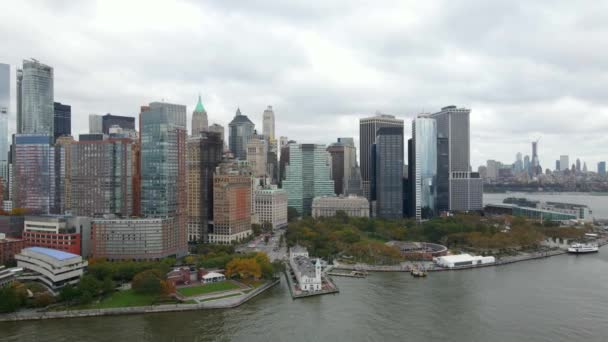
[{"x": 527, "y": 69}]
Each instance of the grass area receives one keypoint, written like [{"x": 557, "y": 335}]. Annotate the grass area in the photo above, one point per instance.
[
  {"x": 207, "y": 288},
  {"x": 226, "y": 296},
  {"x": 123, "y": 299}
]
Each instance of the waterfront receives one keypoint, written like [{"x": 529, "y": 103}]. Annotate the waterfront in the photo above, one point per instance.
[
  {"x": 555, "y": 299},
  {"x": 597, "y": 202}
]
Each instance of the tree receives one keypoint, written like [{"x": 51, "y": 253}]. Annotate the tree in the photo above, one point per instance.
[
  {"x": 292, "y": 214},
  {"x": 10, "y": 299},
  {"x": 43, "y": 299},
  {"x": 147, "y": 282},
  {"x": 89, "y": 284},
  {"x": 244, "y": 268},
  {"x": 166, "y": 288}
]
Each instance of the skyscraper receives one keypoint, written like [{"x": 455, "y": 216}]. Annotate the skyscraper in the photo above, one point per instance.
[
  {"x": 424, "y": 145},
  {"x": 199, "y": 118},
  {"x": 368, "y": 128},
  {"x": 33, "y": 173},
  {"x": 95, "y": 124},
  {"x": 220, "y": 130},
  {"x": 601, "y": 168},
  {"x": 535, "y": 167},
  {"x": 163, "y": 169},
  {"x": 466, "y": 188},
  {"x": 63, "y": 148},
  {"x": 62, "y": 120},
  {"x": 336, "y": 151},
  {"x": 307, "y": 176},
  {"x": 268, "y": 123},
  {"x": 564, "y": 162},
  {"x": 350, "y": 157},
  {"x": 5, "y": 105},
  {"x": 35, "y": 111},
  {"x": 241, "y": 129},
  {"x": 388, "y": 180},
  {"x": 578, "y": 165},
  {"x": 257, "y": 155}
]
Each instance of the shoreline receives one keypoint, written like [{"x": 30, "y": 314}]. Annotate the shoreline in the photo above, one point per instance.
[{"x": 226, "y": 303}]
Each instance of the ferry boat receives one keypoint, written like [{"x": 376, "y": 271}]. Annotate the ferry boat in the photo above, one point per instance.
[
  {"x": 580, "y": 248},
  {"x": 418, "y": 273}
]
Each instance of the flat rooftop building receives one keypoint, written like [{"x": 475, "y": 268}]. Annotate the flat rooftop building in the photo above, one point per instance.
[{"x": 53, "y": 268}]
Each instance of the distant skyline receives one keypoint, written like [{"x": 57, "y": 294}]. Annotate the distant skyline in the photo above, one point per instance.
[{"x": 527, "y": 70}]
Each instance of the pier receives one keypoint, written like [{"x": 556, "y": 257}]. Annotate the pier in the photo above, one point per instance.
[
  {"x": 328, "y": 286},
  {"x": 352, "y": 274}
]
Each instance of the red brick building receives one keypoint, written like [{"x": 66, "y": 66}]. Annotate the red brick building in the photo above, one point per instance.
[{"x": 9, "y": 247}]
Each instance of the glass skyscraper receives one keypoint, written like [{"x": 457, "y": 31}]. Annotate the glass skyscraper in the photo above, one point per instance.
[
  {"x": 5, "y": 105},
  {"x": 35, "y": 110},
  {"x": 424, "y": 135},
  {"x": 241, "y": 130},
  {"x": 307, "y": 176},
  {"x": 388, "y": 176},
  {"x": 62, "y": 120}
]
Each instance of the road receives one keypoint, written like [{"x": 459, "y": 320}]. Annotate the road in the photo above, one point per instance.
[{"x": 271, "y": 248}]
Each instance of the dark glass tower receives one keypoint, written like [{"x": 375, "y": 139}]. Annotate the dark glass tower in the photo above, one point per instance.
[
  {"x": 124, "y": 122},
  {"x": 63, "y": 120},
  {"x": 389, "y": 172}
]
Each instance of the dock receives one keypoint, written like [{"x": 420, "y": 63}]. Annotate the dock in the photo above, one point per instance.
[{"x": 352, "y": 274}]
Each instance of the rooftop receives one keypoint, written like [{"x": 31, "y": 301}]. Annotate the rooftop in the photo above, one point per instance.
[{"x": 53, "y": 253}]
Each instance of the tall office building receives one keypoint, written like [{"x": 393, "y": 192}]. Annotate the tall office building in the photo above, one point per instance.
[
  {"x": 368, "y": 128},
  {"x": 268, "y": 123},
  {"x": 601, "y": 168},
  {"x": 62, "y": 124},
  {"x": 388, "y": 176},
  {"x": 527, "y": 164},
  {"x": 95, "y": 124},
  {"x": 348, "y": 156},
  {"x": 518, "y": 166},
  {"x": 284, "y": 160},
  {"x": 199, "y": 118},
  {"x": 217, "y": 128},
  {"x": 257, "y": 154},
  {"x": 64, "y": 169},
  {"x": 241, "y": 129},
  {"x": 231, "y": 204},
  {"x": 536, "y": 168},
  {"x": 578, "y": 165},
  {"x": 35, "y": 111},
  {"x": 108, "y": 121},
  {"x": 424, "y": 160},
  {"x": 204, "y": 155},
  {"x": 557, "y": 165},
  {"x": 5, "y": 105},
  {"x": 354, "y": 185},
  {"x": 564, "y": 162},
  {"x": 307, "y": 176},
  {"x": 466, "y": 188},
  {"x": 163, "y": 169},
  {"x": 101, "y": 176},
  {"x": 443, "y": 175},
  {"x": 336, "y": 151},
  {"x": 33, "y": 173}
]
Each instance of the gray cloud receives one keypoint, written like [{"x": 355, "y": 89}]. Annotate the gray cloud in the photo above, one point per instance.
[{"x": 527, "y": 69}]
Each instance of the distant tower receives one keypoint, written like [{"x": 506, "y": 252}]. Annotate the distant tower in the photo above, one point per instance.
[
  {"x": 268, "y": 123},
  {"x": 199, "y": 118},
  {"x": 35, "y": 111},
  {"x": 578, "y": 165},
  {"x": 241, "y": 129}
]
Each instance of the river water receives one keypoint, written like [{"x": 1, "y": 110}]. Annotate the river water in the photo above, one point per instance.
[
  {"x": 563, "y": 298},
  {"x": 598, "y": 203}
]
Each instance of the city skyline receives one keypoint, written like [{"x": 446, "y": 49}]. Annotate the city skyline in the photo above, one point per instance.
[{"x": 515, "y": 96}]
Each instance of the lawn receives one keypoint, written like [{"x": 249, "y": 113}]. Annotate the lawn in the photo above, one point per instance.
[{"x": 207, "y": 288}]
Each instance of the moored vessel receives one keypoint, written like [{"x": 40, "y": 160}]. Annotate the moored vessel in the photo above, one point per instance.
[{"x": 581, "y": 248}]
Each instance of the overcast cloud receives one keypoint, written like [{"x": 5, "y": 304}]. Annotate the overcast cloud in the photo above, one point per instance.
[{"x": 527, "y": 69}]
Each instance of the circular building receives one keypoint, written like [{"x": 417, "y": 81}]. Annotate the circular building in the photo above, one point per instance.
[{"x": 419, "y": 250}]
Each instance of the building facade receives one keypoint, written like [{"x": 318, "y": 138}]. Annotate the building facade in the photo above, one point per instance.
[
  {"x": 65, "y": 233},
  {"x": 62, "y": 116},
  {"x": 127, "y": 123},
  {"x": 5, "y": 105},
  {"x": 257, "y": 155},
  {"x": 200, "y": 122},
  {"x": 424, "y": 133},
  {"x": 336, "y": 151},
  {"x": 268, "y": 123},
  {"x": 9, "y": 247},
  {"x": 307, "y": 176},
  {"x": 231, "y": 205},
  {"x": 53, "y": 268},
  {"x": 241, "y": 130},
  {"x": 95, "y": 124},
  {"x": 270, "y": 206},
  {"x": 388, "y": 176},
  {"x": 101, "y": 177},
  {"x": 35, "y": 94},
  {"x": 353, "y": 206},
  {"x": 368, "y": 128},
  {"x": 33, "y": 173}
]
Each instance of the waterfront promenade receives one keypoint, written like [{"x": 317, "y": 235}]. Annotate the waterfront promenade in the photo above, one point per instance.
[{"x": 220, "y": 303}]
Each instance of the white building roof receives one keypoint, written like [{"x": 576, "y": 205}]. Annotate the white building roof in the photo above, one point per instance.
[
  {"x": 457, "y": 258},
  {"x": 212, "y": 275}
]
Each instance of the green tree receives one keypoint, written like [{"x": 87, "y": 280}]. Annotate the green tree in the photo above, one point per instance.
[
  {"x": 292, "y": 214},
  {"x": 148, "y": 282},
  {"x": 10, "y": 300}
]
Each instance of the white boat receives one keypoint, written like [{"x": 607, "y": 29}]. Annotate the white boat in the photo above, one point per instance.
[{"x": 579, "y": 248}]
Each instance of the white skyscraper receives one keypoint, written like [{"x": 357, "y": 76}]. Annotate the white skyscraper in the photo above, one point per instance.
[
  {"x": 564, "y": 163},
  {"x": 35, "y": 110},
  {"x": 5, "y": 104},
  {"x": 268, "y": 123}
]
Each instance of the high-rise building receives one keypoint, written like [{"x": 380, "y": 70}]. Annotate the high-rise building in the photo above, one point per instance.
[
  {"x": 585, "y": 167},
  {"x": 354, "y": 186},
  {"x": 578, "y": 165},
  {"x": 492, "y": 167},
  {"x": 102, "y": 177},
  {"x": 336, "y": 151},
  {"x": 95, "y": 124},
  {"x": 601, "y": 168},
  {"x": 527, "y": 164},
  {"x": 307, "y": 176},
  {"x": 388, "y": 176},
  {"x": 424, "y": 145},
  {"x": 443, "y": 175},
  {"x": 368, "y": 128},
  {"x": 257, "y": 154},
  {"x": 350, "y": 156},
  {"x": 518, "y": 166},
  {"x": 163, "y": 169},
  {"x": 218, "y": 129},
  {"x": 270, "y": 206},
  {"x": 284, "y": 160},
  {"x": 5, "y": 105},
  {"x": 108, "y": 121},
  {"x": 35, "y": 111},
  {"x": 231, "y": 205},
  {"x": 268, "y": 123},
  {"x": 454, "y": 124},
  {"x": 203, "y": 156},
  {"x": 564, "y": 162},
  {"x": 557, "y": 165},
  {"x": 62, "y": 124},
  {"x": 241, "y": 129},
  {"x": 33, "y": 173},
  {"x": 63, "y": 148},
  {"x": 199, "y": 118}
]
